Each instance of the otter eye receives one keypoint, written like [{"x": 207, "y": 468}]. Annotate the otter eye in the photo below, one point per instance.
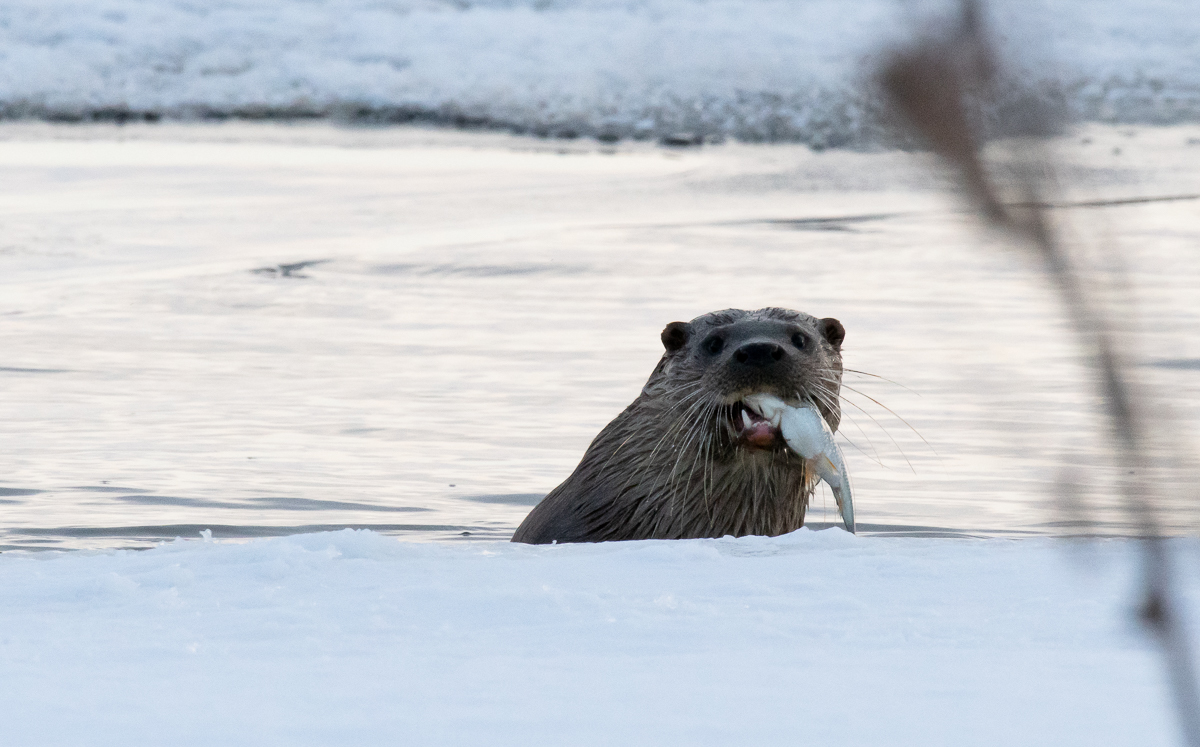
[
  {"x": 713, "y": 345},
  {"x": 799, "y": 340}
]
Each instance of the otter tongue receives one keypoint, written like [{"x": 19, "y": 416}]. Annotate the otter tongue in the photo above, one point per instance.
[
  {"x": 760, "y": 433},
  {"x": 758, "y": 430}
]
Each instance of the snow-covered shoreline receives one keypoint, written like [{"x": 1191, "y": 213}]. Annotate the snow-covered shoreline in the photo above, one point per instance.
[
  {"x": 755, "y": 69},
  {"x": 355, "y": 638}
]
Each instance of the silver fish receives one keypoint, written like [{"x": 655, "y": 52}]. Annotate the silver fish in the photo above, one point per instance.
[{"x": 809, "y": 436}]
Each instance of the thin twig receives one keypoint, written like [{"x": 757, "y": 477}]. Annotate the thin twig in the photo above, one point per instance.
[{"x": 927, "y": 86}]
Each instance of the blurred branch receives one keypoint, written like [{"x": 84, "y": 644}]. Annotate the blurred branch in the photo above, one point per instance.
[{"x": 930, "y": 85}]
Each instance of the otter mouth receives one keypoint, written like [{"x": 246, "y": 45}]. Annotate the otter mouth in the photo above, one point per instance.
[{"x": 751, "y": 429}]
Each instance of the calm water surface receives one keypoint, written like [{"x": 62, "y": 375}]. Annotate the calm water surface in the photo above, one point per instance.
[{"x": 263, "y": 330}]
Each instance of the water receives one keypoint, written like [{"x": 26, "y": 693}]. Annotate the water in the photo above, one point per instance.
[{"x": 271, "y": 329}]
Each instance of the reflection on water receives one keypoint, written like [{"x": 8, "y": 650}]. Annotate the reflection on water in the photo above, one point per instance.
[{"x": 292, "y": 329}]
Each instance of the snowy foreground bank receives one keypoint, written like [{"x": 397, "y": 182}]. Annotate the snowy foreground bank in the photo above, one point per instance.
[
  {"x": 753, "y": 69},
  {"x": 353, "y": 638}
]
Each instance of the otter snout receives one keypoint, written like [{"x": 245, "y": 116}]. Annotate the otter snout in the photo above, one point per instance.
[
  {"x": 758, "y": 355},
  {"x": 766, "y": 361}
]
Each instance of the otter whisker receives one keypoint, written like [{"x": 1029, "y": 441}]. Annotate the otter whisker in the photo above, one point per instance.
[
  {"x": 680, "y": 481},
  {"x": 706, "y": 473},
  {"x": 670, "y": 432},
  {"x": 701, "y": 456},
  {"x": 818, "y": 396},
  {"x": 881, "y": 378},
  {"x": 895, "y": 443},
  {"x": 688, "y": 397},
  {"x": 617, "y": 450},
  {"x": 700, "y": 428},
  {"x": 894, "y": 414},
  {"x": 827, "y": 377},
  {"x": 824, "y": 396},
  {"x": 860, "y": 450},
  {"x": 635, "y": 477}
]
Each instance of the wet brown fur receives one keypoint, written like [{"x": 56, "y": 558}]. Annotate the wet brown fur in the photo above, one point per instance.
[{"x": 670, "y": 466}]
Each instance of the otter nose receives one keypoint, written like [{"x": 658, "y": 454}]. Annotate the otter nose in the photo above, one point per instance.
[{"x": 758, "y": 354}]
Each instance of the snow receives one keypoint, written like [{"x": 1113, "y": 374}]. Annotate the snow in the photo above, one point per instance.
[
  {"x": 356, "y": 638},
  {"x": 754, "y": 69}
]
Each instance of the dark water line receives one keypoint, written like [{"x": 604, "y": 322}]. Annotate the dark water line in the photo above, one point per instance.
[{"x": 227, "y": 531}]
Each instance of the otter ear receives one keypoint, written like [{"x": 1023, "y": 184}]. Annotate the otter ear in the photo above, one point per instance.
[
  {"x": 676, "y": 335},
  {"x": 833, "y": 331}
]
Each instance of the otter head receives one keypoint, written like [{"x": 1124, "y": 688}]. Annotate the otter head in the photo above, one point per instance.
[
  {"x": 733, "y": 354},
  {"x": 688, "y": 458}
]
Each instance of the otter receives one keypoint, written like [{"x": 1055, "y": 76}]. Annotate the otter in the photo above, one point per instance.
[{"x": 688, "y": 458}]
